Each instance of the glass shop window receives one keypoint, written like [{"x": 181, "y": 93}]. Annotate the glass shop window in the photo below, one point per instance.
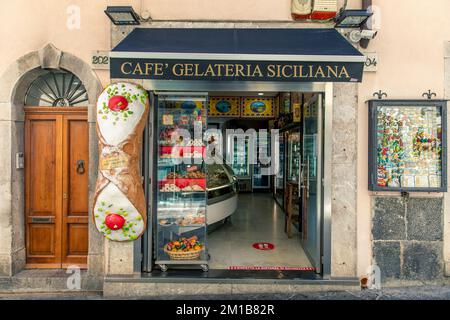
[{"x": 407, "y": 146}]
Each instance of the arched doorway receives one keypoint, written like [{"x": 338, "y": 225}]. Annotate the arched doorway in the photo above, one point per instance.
[
  {"x": 15, "y": 83},
  {"x": 56, "y": 153}
]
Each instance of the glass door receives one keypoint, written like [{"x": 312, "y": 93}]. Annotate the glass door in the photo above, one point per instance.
[
  {"x": 311, "y": 181},
  {"x": 181, "y": 197}
]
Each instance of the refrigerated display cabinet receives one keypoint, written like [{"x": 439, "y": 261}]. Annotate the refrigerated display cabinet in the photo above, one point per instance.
[
  {"x": 260, "y": 179},
  {"x": 240, "y": 162},
  {"x": 222, "y": 192},
  {"x": 293, "y": 156},
  {"x": 181, "y": 196},
  {"x": 279, "y": 182}
]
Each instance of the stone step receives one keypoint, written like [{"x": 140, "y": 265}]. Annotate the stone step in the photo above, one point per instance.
[
  {"x": 49, "y": 281},
  {"x": 153, "y": 288}
]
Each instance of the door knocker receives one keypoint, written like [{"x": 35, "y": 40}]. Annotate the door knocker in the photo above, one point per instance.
[{"x": 80, "y": 167}]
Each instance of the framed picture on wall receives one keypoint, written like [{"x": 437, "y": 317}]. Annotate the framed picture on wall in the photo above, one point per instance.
[
  {"x": 257, "y": 107},
  {"x": 407, "y": 145},
  {"x": 224, "y": 107}
]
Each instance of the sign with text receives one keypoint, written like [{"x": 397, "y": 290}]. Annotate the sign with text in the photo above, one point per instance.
[
  {"x": 100, "y": 60},
  {"x": 226, "y": 70},
  {"x": 371, "y": 64}
]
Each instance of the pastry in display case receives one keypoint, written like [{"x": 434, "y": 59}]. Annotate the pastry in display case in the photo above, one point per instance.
[
  {"x": 181, "y": 199},
  {"x": 219, "y": 175}
]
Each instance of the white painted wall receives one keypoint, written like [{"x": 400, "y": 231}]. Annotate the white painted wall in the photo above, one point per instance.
[
  {"x": 28, "y": 25},
  {"x": 410, "y": 46}
]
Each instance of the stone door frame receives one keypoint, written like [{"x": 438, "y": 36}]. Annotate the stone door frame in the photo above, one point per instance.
[{"x": 14, "y": 83}]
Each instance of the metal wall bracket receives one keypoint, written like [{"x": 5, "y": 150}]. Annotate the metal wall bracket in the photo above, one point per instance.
[
  {"x": 380, "y": 94},
  {"x": 429, "y": 95}
]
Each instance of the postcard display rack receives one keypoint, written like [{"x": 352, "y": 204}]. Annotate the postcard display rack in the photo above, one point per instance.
[
  {"x": 407, "y": 146},
  {"x": 181, "y": 173}
]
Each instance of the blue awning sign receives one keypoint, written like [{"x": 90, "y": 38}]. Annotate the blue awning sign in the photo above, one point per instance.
[{"x": 302, "y": 55}]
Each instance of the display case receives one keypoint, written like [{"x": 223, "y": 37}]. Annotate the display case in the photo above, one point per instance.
[
  {"x": 219, "y": 175},
  {"x": 293, "y": 156},
  {"x": 239, "y": 148},
  {"x": 260, "y": 179},
  {"x": 241, "y": 164},
  {"x": 222, "y": 191},
  {"x": 407, "y": 146},
  {"x": 181, "y": 197},
  {"x": 279, "y": 181}
]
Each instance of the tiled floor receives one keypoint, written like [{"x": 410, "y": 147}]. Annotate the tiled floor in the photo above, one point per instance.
[{"x": 257, "y": 219}]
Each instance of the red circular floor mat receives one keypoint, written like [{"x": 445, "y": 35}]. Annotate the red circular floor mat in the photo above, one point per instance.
[{"x": 263, "y": 246}]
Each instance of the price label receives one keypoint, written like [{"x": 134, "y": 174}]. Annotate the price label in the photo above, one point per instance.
[
  {"x": 371, "y": 64},
  {"x": 113, "y": 162},
  {"x": 100, "y": 60}
]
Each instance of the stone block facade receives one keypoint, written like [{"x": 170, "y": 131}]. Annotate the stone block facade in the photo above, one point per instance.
[{"x": 407, "y": 235}]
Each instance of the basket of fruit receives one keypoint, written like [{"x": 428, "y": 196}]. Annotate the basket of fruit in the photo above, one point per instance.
[{"x": 184, "y": 249}]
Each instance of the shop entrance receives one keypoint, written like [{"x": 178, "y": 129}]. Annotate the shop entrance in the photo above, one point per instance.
[
  {"x": 238, "y": 60},
  {"x": 241, "y": 214}
]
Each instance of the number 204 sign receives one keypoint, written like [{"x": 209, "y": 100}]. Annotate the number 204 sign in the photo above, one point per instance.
[
  {"x": 371, "y": 64},
  {"x": 100, "y": 60}
]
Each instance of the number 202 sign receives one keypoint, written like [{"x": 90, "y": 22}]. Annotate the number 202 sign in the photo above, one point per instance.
[
  {"x": 100, "y": 60},
  {"x": 371, "y": 64}
]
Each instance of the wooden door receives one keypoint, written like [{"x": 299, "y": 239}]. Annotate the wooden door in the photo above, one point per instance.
[{"x": 56, "y": 187}]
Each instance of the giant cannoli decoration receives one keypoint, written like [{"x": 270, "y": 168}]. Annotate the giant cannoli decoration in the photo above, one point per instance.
[{"x": 119, "y": 201}]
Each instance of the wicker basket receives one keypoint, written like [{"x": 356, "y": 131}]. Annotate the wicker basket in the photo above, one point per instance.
[{"x": 180, "y": 255}]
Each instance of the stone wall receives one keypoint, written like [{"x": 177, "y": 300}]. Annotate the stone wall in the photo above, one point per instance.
[
  {"x": 407, "y": 237},
  {"x": 344, "y": 181}
]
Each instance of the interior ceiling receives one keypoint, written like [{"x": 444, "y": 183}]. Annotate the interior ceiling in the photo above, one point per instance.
[{"x": 241, "y": 94}]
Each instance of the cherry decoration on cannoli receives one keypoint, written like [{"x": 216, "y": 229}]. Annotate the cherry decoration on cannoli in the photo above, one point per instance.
[
  {"x": 118, "y": 103},
  {"x": 114, "y": 221}
]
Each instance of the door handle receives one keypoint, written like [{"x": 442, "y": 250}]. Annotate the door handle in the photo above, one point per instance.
[
  {"x": 80, "y": 167},
  {"x": 305, "y": 178}
]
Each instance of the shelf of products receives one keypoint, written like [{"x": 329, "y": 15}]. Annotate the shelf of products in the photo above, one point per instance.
[
  {"x": 407, "y": 140},
  {"x": 181, "y": 200},
  {"x": 294, "y": 155}
]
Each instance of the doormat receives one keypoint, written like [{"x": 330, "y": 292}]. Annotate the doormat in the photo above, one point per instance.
[
  {"x": 263, "y": 246},
  {"x": 271, "y": 268}
]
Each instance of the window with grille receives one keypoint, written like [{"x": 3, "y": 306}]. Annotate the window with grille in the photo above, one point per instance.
[{"x": 56, "y": 88}]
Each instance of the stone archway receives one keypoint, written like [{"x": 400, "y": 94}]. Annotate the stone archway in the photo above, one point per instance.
[{"x": 14, "y": 83}]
